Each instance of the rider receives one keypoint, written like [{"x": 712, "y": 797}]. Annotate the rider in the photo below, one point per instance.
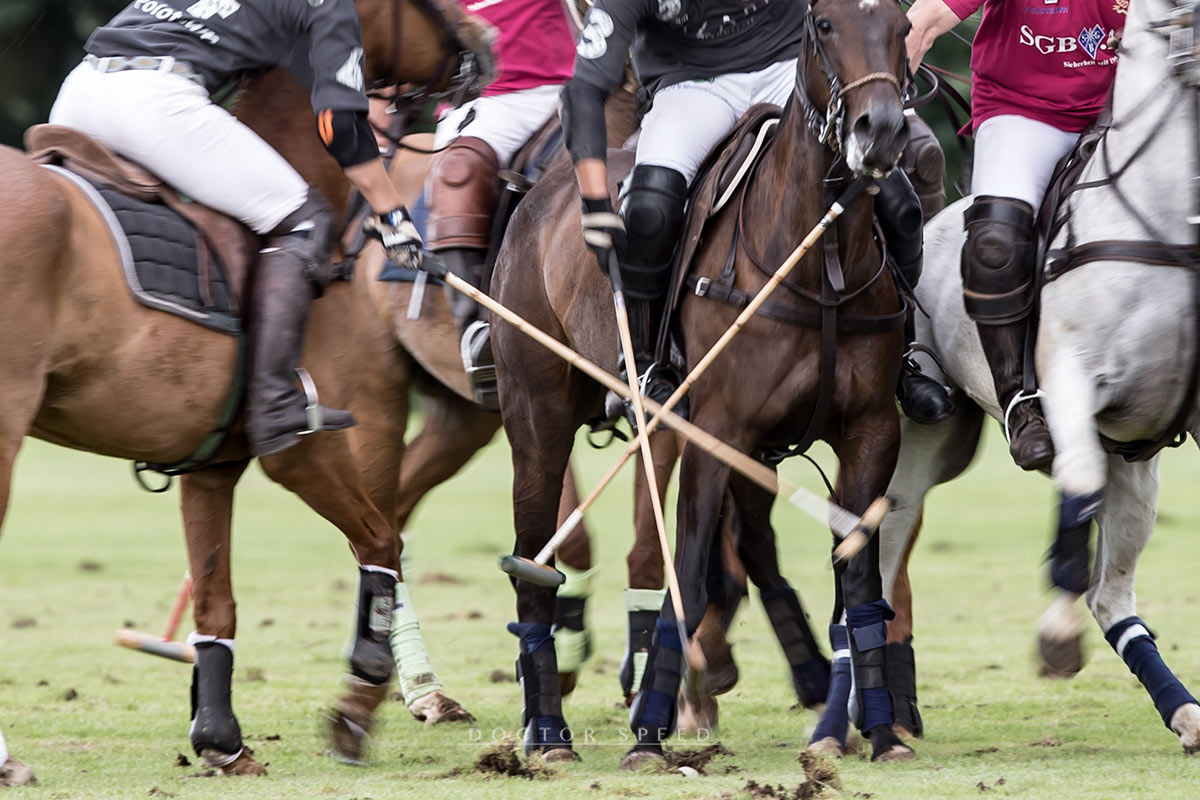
[
  {"x": 704, "y": 63},
  {"x": 1042, "y": 72},
  {"x": 144, "y": 91},
  {"x": 535, "y": 49}
]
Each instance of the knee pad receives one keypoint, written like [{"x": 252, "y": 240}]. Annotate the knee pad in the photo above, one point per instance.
[
  {"x": 925, "y": 164},
  {"x": 653, "y": 215},
  {"x": 214, "y": 727},
  {"x": 371, "y": 652},
  {"x": 898, "y": 210},
  {"x": 308, "y": 233},
  {"x": 463, "y": 194},
  {"x": 997, "y": 260}
]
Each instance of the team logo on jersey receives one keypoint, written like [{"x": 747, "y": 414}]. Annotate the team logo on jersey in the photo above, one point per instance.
[
  {"x": 205, "y": 9},
  {"x": 350, "y": 74},
  {"x": 593, "y": 40},
  {"x": 1091, "y": 38}
]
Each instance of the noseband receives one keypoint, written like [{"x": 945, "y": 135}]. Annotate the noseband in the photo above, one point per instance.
[{"x": 827, "y": 125}]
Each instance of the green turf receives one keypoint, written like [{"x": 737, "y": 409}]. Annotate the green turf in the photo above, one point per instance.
[{"x": 85, "y": 552}]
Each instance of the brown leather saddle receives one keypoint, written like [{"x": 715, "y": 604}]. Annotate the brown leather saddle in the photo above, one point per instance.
[{"x": 214, "y": 281}]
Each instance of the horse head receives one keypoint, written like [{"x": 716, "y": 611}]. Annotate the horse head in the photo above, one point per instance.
[
  {"x": 852, "y": 65},
  {"x": 432, "y": 43}
]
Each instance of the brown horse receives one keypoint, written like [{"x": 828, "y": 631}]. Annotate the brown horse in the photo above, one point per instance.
[
  {"x": 767, "y": 387},
  {"x": 96, "y": 371}
]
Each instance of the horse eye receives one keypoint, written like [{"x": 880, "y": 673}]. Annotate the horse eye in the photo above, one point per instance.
[
  {"x": 824, "y": 26},
  {"x": 905, "y": 30}
]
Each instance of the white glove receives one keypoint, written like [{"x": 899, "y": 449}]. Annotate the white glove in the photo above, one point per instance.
[{"x": 399, "y": 236}]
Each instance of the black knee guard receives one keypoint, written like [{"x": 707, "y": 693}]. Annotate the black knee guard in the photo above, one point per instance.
[
  {"x": 308, "y": 232},
  {"x": 898, "y": 210},
  {"x": 902, "y": 684},
  {"x": 997, "y": 260},
  {"x": 653, "y": 214},
  {"x": 214, "y": 727},
  {"x": 925, "y": 164},
  {"x": 371, "y": 655},
  {"x": 652, "y": 716},
  {"x": 810, "y": 668}
]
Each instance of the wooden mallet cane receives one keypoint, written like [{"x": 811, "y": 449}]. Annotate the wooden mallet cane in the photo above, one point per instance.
[{"x": 163, "y": 645}]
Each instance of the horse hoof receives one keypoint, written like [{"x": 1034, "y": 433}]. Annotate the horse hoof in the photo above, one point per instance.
[
  {"x": 697, "y": 714},
  {"x": 636, "y": 759},
  {"x": 903, "y": 732},
  {"x": 854, "y": 741},
  {"x": 244, "y": 764},
  {"x": 1185, "y": 722},
  {"x": 828, "y": 746},
  {"x": 348, "y": 740},
  {"x": 559, "y": 755},
  {"x": 14, "y": 773},
  {"x": 436, "y": 708},
  {"x": 567, "y": 681},
  {"x": 897, "y": 752},
  {"x": 1061, "y": 658}
]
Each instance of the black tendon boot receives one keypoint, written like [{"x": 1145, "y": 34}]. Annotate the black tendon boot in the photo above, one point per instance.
[
  {"x": 469, "y": 263},
  {"x": 291, "y": 273},
  {"x": 546, "y": 731},
  {"x": 810, "y": 667},
  {"x": 215, "y": 734},
  {"x": 652, "y": 717},
  {"x": 643, "y": 607},
  {"x": 902, "y": 684}
]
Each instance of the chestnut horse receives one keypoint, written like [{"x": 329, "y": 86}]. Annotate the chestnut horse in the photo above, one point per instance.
[
  {"x": 766, "y": 388},
  {"x": 97, "y": 372}
]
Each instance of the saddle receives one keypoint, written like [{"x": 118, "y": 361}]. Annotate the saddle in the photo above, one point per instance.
[{"x": 179, "y": 257}]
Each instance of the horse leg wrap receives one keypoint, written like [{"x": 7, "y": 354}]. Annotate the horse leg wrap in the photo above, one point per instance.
[
  {"x": 867, "y": 625},
  {"x": 215, "y": 734},
  {"x": 810, "y": 668},
  {"x": 1069, "y": 556},
  {"x": 643, "y": 606},
  {"x": 572, "y": 641},
  {"x": 902, "y": 684},
  {"x": 1134, "y": 643},
  {"x": 652, "y": 716},
  {"x": 835, "y": 722},
  {"x": 370, "y": 652},
  {"x": 417, "y": 678},
  {"x": 537, "y": 672}
]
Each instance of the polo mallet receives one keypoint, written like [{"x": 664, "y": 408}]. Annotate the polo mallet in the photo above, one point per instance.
[
  {"x": 853, "y": 529},
  {"x": 163, "y": 645}
]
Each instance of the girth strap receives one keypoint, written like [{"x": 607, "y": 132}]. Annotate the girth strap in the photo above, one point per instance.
[
  {"x": 795, "y": 315},
  {"x": 1143, "y": 252}
]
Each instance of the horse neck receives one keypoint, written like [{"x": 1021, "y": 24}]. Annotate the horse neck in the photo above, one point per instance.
[
  {"x": 421, "y": 53},
  {"x": 788, "y": 193},
  {"x": 276, "y": 107},
  {"x": 1148, "y": 105}
]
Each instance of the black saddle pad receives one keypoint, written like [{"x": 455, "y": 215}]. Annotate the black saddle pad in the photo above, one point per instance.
[{"x": 162, "y": 256}]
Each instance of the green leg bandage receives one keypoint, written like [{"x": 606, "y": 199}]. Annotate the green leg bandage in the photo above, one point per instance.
[
  {"x": 643, "y": 606},
  {"x": 572, "y": 641},
  {"x": 417, "y": 678}
]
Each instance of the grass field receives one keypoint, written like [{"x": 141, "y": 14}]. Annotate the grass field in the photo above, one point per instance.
[{"x": 85, "y": 552}]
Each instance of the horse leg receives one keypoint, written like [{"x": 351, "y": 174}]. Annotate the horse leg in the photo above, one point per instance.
[
  {"x": 867, "y": 453},
  {"x": 322, "y": 471},
  {"x": 13, "y": 772},
  {"x": 756, "y": 548},
  {"x": 1126, "y": 522},
  {"x": 929, "y": 455},
  {"x": 206, "y": 498},
  {"x": 645, "y": 594},
  {"x": 652, "y": 717},
  {"x": 572, "y": 640}
]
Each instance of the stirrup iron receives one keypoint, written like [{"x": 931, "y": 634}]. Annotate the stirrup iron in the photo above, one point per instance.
[{"x": 1018, "y": 398}]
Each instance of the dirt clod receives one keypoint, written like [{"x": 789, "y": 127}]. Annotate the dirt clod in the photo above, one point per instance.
[
  {"x": 24, "y": 622},
  {"x": 157, "y": 792},
  {"x": 501, "y": 676},
  {"x": 819, "y": 775},
  {"x": 266, "y": 623},
  {"x": 272, "y": 737},
  {"x": 439, "y": 577},
  {"x": 695, "y": 759},
  {"x": 503, "y": 759},
  {"x": 182, "y": 761},
  {"x": 43, "y": 682},
  {"x": 1047, "y": 741},
  {"x": 94, "y": 566},
  {"x": 984, "y": 750},
  {"x": 70, "y": 694},
  {"x": 474, "y": 614},
  {"x": 255, "y": 674}
]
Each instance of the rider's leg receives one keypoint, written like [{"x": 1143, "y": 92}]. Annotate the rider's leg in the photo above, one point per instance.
[
  {"x": 1014, "y": 160},
  {"x": 898, "y": 209}
]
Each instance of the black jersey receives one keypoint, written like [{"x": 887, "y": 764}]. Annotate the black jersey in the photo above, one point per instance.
[
  {"x": 681, "y": 40},
  {"x": 223, "y": 40}
]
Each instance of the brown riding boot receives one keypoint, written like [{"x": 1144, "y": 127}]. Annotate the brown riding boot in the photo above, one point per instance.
[
  {"x": 278, "y": 410},
  {"x": 1029, "y": 439},
  {"x": 475, "y": 345}
]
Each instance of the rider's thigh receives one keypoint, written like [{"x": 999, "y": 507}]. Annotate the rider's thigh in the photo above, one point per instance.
[
  {"x": 1015, "y": 157},
  {"x": 505, "y": 121},
  {"x": 684, "y": 123}
]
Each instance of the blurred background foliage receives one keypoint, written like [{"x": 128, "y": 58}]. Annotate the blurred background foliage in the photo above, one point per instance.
[{"x": 42, "y": 40}]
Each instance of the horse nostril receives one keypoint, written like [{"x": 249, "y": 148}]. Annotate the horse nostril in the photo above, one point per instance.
[{"x": 862, "y": 127}]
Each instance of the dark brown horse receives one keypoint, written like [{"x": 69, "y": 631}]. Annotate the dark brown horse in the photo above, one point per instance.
[
  {"x": 765, "y": 390},
  {"x": 98, "y": 372}
]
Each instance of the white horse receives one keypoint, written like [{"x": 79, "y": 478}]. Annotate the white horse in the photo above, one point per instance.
[{"x": 1114, "y": 355}]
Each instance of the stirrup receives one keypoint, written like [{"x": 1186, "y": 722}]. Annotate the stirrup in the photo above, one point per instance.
[
  {"x": 476, "y": 340},
  {"x": 1018, "y": 398},
  {"x": 314, "y": 420}
]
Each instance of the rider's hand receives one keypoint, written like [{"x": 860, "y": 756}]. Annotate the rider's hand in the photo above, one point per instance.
[
  {"x": 399, "y": 236},
  {"x": 603, "y": 230}
]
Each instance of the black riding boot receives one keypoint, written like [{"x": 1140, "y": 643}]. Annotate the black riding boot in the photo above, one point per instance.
[
  {"x": 469, "y": 263},
  {"x": 898, "y": 210},
  {"x": 997, "y": 265},
  {"x": 292, "y": 271}
]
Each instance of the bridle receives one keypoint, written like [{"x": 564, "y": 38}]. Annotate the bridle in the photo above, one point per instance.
[{"x": 827, "y": 125}]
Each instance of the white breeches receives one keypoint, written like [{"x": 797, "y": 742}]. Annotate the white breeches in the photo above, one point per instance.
[
  {"x": 504, "y": 121},
  {"x": 688, "y": 119},
  {"x": 1015, "y": 157},
  {"x": 167, "y": 124}
]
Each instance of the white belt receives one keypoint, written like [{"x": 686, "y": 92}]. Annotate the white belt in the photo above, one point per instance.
[{"x": 156, "y": 63}]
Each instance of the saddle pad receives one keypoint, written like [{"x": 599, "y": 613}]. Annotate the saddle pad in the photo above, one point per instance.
[{"x": 162, "y": 257}]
